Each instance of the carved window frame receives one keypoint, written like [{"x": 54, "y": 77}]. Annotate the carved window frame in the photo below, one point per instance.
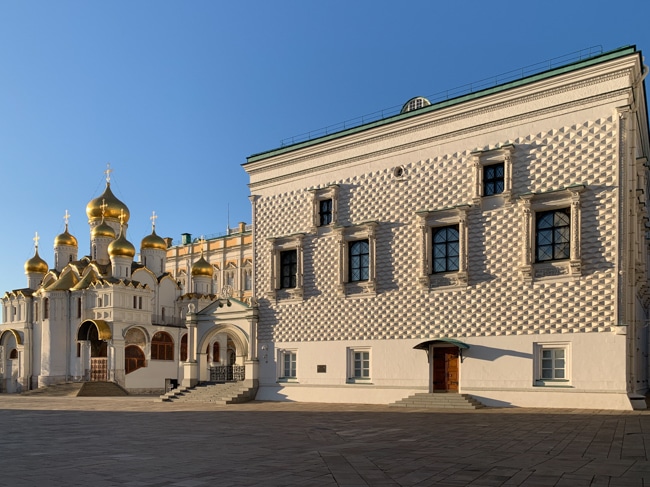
[
  {"x": 537, "y": 203},
  {"x": 428, "y": 221},
  {"x": 361, "y": 231},
  {"x": 482, "y": 159},
  {"x": 330, "y": 192},
  {"x": 279, "y": 245}
]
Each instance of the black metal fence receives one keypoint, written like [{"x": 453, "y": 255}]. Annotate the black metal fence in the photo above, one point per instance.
[{"x": 227, "y": 373}]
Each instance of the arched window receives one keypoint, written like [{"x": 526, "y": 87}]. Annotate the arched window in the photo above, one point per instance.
[
  {"x": 133, "y": 358},
  {"x": 183, "y": 348},
  {"x": 13, "y": 354},
  {"x": 46, "y": 308},
  {"x": 162, "y": 346},
  {"x": 216, "y": 355}
]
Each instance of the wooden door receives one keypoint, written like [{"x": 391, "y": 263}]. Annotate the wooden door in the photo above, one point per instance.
[{"x": 445, "y": 369}]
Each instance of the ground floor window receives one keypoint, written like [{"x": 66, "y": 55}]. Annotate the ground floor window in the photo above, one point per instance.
[
  {"x": 358, "y": 365},
  {"x": 288, "y": 364},
  {"x": 552, "y": 364}
]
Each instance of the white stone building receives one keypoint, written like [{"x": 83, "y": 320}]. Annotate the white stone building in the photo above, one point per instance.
[
  {"x": 144, "y": 325},
  {"x": 494, "y": 244}
]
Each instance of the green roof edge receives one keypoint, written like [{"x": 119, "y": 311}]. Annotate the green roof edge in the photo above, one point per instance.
[{"x": 606, "y": 56}]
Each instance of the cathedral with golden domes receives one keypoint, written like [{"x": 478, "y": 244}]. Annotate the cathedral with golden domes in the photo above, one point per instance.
[{"x": 170, "y": 314}]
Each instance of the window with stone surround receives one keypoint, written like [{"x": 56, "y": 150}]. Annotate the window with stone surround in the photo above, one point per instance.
[
  {"x": 357, "y": 274},
  {"x": 551, "y": 236},
  {"x": 443, "y": 247},
  {"x": 325, "y": 206},
  {"x": 493, "y": 174},
  {"x": 286, "y": 267}
]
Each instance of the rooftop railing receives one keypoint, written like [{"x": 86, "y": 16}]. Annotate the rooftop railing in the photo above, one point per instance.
[{"x": 514, "y": 75}]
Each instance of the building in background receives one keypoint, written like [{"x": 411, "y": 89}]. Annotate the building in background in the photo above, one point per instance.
[
  {"x": 181, "y": 314},
  {"x": 493, "y": 244}
]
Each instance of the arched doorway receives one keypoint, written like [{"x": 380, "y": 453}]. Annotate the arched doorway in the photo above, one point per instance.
[
  {"x": 226, "y": 351},
  {"x": 10, "y": 365},
  {"x": 94, "y": 355}
]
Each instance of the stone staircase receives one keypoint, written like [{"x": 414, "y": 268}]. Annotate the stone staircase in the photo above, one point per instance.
[
  {"x": 439, "y": 401},
  {"x": 216, "y": 393}
]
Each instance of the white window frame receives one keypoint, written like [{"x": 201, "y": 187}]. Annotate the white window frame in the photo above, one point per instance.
[
  {"x": 320, "y": 194},
  {"x": 279, "y": 245},
  {"x": 428, "y": 221},
  {"x": 537, "y": 203},
  {"x": 283, "y": 374},
  {"x": 490, "y": 157},
  {"x": 538, "y": 350},
  {"x": 361, "y": 231},
  {"x": 351, "y": 369}
]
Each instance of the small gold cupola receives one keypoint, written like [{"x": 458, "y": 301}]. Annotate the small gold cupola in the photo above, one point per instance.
[{"x": 107, "y": 205}]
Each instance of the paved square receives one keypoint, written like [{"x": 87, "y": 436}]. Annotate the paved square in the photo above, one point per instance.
[{"x": 132, "y": 441}]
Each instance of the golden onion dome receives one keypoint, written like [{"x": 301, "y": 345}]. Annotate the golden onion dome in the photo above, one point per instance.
[
  {"x": 153, "y": 241},
  {"x": 202, "y": 268},
  {"x": 65, "y": 238},
  {"x": 113, "y": 207},
  {"x": 36, "y": 264},
  {"x": 103, "y": 230},
  {"x": 121, "y": 247}
]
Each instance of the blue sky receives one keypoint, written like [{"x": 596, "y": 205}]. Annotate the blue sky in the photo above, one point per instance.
[{"x": 176, "y": 95}]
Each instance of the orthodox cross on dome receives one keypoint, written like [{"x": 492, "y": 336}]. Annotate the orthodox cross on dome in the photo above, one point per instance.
[
  {"x": 108, "y": 172},
  {"x": 103, "y": 206},
  {"x": 202, "y": 242},
  {"x": 66, "y": 218},
  {"x": 122, "y": 216},
  {"x": 153, "y": 219},
  {"x": 36, "y": 239}
]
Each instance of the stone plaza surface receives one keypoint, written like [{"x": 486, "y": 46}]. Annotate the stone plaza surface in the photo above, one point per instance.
[{"x": 132, "y": 441}]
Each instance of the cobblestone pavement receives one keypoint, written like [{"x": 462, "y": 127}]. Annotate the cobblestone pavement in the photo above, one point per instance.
[{"x": 132, "y": 441}]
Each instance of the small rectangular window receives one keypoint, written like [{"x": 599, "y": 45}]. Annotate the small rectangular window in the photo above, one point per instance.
[
  {"x": 493, "y": 179},
  {"x": 325, "y": 212},
  {"x": 362, "y": 365},
  {"x": 553, "y": 364},
  {"x": 289, "y": 365},
  {"x": 288, "y": 268}
]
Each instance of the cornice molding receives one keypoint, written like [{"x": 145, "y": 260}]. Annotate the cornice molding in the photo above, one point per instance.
[{"x": 447, "y": 120}]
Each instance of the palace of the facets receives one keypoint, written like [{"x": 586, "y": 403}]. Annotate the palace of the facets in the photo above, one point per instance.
[{"x": 494, "y": 244}]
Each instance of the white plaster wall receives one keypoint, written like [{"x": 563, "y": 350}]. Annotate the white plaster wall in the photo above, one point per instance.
[
  {"x": 497, "y": 370},
  {"x": 153, "y": 375}
]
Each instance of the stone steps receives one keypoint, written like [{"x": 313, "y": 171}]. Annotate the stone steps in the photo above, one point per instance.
[
  {"x": 439, "y": 401},
  {"x": 223, "y": 393}
]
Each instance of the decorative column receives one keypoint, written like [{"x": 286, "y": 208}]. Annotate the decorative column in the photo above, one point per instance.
[
  {"x": 526, "y": 266},
  {"x": 191, "y": 368}
]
